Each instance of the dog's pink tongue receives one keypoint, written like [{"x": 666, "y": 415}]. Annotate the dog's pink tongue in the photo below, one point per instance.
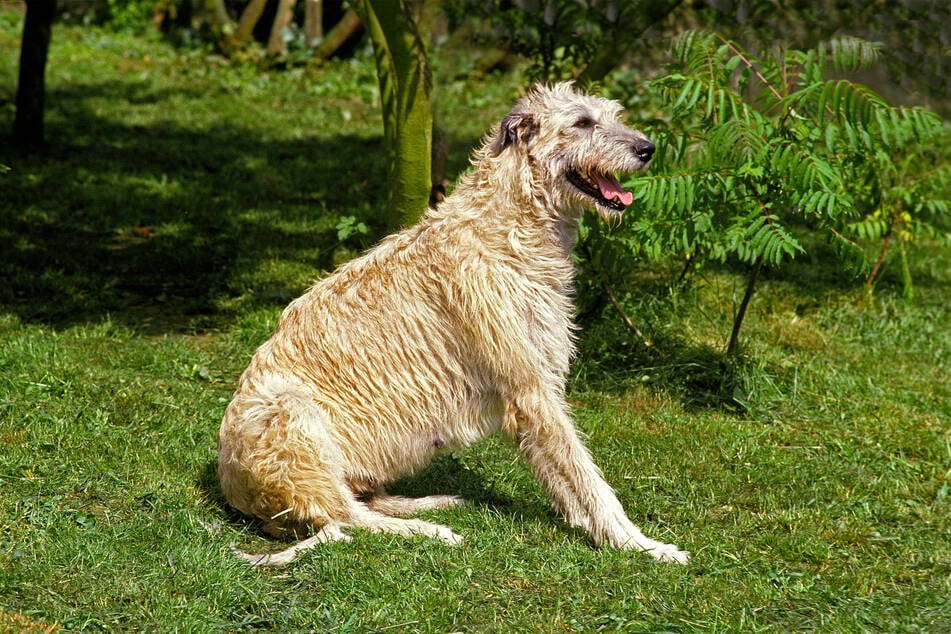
[{"x": 611, "y": 189}]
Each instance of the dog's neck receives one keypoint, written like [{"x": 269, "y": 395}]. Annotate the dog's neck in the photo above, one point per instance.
[{"x": 497, "y": 201}]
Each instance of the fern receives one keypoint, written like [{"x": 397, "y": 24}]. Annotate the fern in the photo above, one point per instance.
[
  {"x": 871, "y": 227},
  {"x": 738, "y": 141},
  {"x": 844, "y": 100},
  {"x": 732, "y": 171},
  {"x": 852, "y": 53},
  {"x": 694, "y": 50}
]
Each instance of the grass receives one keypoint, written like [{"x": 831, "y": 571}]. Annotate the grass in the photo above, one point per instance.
[{"x": 184, "y": 201}]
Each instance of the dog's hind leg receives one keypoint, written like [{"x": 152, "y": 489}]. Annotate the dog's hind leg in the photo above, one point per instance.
[
  {"x": 277, "y": 462},
  {"x": 362, "y": 516},
  {"x": 387, "y": 504}
]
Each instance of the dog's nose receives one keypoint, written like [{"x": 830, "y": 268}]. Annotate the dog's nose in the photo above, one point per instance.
[{"x": 644, "y": 149}]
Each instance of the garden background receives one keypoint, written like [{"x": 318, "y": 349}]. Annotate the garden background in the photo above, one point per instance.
[{"x": 763, "y": 345}]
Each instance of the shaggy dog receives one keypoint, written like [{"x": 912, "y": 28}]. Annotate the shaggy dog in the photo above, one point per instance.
[{"x": 441, "y": 335}]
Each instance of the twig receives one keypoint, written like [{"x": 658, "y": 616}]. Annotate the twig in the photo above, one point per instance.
[
  {"x": 749, "y": 65},
  {"x": 624, "y": 316}
]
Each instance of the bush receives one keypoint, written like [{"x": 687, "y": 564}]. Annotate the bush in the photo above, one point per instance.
[
  {"x": 130, "y": 15},
  {"x": 760, "y": 148}
]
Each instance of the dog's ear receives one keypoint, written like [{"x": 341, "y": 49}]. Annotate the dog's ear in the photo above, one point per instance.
[{"x": 517, "y": 128}]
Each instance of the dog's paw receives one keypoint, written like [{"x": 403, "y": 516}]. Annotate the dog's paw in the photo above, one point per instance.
[
  {"x": 636, "y": 540},
  {"x": 669, "y": 553},
  {"x": 445, "y": 535},
  {"x": 446, "y": 501},
  {"x": 448, "y": 537}
]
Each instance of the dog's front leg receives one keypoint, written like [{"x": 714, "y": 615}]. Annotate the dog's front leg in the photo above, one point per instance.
[{"x": 563, "y": 465}]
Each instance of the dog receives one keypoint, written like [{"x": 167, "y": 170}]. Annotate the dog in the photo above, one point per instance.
[{"x": 444, "y": 333}]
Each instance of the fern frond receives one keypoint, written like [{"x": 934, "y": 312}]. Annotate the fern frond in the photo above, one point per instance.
[
  {"x": 671, "y": 193},
  {"x": 852, "y": 255},
  {"x": 671, "y": 146},
  {"x": 737, "y": 141},
  {"x": 853, "y": 53},
  {"x": 850, "y": 102},
  {"x": 802, "y": 98},
  {"x": 827, "y": 204},
  {"x": 900, "y": 126},
  {"x": 761, "y": 236},
  {"x": 694, "y": 50},
  {"x": 871, "y": 227},
  {"x": 812, "y": 66},
  {"x": 803, "y": 169},
  {"x": 783, "y": 70},
  {"x": 777, "y": 243}
]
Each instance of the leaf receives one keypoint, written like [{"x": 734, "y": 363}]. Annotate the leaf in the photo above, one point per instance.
[
  {"x": 853, "y": 53},
  {"x": 831, "y": 135},
  {"x": 850, "y": 102}
]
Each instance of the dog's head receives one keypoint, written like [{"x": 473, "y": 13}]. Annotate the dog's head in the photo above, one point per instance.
[{"x": 577, "y": 145}]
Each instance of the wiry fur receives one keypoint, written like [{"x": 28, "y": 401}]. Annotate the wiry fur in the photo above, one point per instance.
[{"x": 442, "y": 334}]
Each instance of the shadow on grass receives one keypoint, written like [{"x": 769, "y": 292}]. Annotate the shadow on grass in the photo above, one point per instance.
[
  {"x": 156, "y": 225},
  {"x": 612, "y": 358},
  {"x": 696, "y": 375}
]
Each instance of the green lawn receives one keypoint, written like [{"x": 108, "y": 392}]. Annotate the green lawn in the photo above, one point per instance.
[{"x": 183, "y": 202}]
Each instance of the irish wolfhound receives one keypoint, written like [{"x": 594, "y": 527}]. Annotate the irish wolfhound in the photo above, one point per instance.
[{"x": 442, "y": 334}]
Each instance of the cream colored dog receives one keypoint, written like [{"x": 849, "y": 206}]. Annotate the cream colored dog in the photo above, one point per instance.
[{"x": 441, "y": 335}]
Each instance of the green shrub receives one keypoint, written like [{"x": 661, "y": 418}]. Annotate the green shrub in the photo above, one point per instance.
[
  {"x": 760, "y": 148},
  {"x": 129, "y": 15}
]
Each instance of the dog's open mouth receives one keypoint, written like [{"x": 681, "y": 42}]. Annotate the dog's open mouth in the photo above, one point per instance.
[{"x": 604, "y": 188}]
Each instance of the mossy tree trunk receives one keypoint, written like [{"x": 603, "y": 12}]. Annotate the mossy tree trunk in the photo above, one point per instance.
[
  {"x": 313, "y": 22},
  {"x": 249, "y": 18},
  {"x": 400, "y": 31}
]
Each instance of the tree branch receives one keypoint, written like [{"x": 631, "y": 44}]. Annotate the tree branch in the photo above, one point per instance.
[{"x": 624, "y": 316}]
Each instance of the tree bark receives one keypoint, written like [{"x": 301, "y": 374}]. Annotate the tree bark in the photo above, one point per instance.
[
  {"x": 348, "y": 25},
  {"x": 400, "y": 30},
  {"x": 285, "y": 13},
  {"x": 313, "y": 22},
  {"x": 734, "y": 346},
  {"x": 249, "y": 18},
  {"x": 28, "y": 129}
]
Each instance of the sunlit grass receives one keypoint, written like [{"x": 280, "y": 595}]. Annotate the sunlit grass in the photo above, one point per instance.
[{"x": 148, "y": 255}]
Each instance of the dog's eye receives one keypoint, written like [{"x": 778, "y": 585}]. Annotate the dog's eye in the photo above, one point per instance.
[{"x": 584, "y": 122}]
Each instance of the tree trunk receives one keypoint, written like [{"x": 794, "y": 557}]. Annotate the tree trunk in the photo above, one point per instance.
[
  {"x": 28, "y": 133},
  {"x": 221, "y": 24},
  {"x": 285, "y": 13},
  {"x": 400, "y": 30},
  {"x": 908, "y": 287},
  {"x": 734, "y": 345},
  {"x": 313, "y": 22},
  {"x": 336, "y": 37},
  {"x": 249, "y": 18}
]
